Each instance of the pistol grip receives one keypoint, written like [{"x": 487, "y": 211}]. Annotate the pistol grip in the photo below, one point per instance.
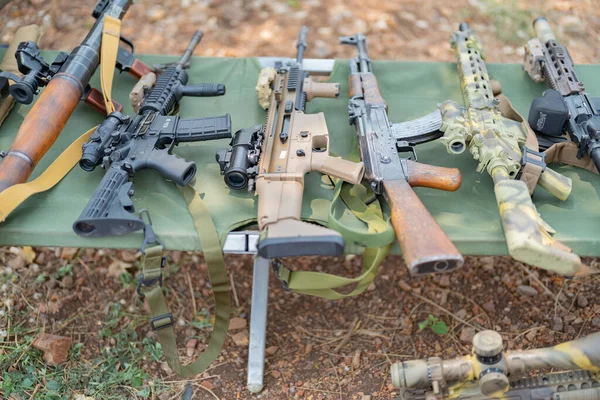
[
  {"x": 337, "y": 167},
  {"x": 441, "y": 178},
  {"x": 425, "y": 246}
]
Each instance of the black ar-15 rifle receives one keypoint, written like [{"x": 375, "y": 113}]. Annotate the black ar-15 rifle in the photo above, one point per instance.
[
  {"x": 125, "y": 145},
  {"x": 566, "y": 107}
]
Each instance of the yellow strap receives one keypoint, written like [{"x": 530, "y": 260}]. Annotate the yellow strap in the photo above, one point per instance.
[
  {"x": 111, "y": 32},
  {"x": 12, "y": 197}
]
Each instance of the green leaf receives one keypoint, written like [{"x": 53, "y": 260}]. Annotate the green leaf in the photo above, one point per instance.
[
  {"x": 136, "y": 382},
  {"x": 440, "y": 328},
  {"x": 423, "y": 324},
  {"x": 52, "y": 385},
  {"x": 26, "y": 383}
]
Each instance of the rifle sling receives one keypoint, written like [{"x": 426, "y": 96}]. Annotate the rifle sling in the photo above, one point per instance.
[
  {"x": 162, "y": 321},
  {"x": 13, "y": 196}
]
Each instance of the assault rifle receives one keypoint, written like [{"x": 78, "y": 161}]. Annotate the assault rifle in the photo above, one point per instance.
[
  {"x": 491, "y": 372},
  {"x": 566, "y": 107},
  {"x": 124, "y": 145},
  {"x": 425, "y": 246},
  {"x": 274, "y": 159},
  {"x": 67, "y": 80},
  {"x": 501, "y": 142}
]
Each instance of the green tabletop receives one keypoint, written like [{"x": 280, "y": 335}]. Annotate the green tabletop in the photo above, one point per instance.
[{"x": 469, "y": 216}]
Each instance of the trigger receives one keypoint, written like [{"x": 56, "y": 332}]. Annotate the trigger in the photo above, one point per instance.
[{"x": 124, "y": 196}]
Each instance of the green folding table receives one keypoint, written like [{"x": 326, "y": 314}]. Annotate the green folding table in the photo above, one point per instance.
[{"x": 469, "y": 216}]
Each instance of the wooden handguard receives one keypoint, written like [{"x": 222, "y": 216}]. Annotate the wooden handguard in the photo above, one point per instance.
[
  {"x": 139, "y": 69},
  {"x": 424, "y": 245},
  {"x": 39, "y": 130}
]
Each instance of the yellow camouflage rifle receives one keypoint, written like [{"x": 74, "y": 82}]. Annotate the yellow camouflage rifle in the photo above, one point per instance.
[
  {"x": 501, "y": 141},
  {"x": 485, "y": 373}
]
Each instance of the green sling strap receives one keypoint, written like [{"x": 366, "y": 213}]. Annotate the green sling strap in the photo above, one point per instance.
[
  {"x": 377, "y": 240},
  {"x": 150, "y": 284}
]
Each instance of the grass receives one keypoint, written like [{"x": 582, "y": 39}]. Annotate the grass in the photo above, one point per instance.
[{"x": 115, "y": 374}]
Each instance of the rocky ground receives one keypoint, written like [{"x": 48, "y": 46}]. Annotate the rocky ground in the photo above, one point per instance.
[{"x": 316, "y": 349}]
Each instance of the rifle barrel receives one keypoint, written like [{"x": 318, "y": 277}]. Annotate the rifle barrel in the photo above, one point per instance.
[
  {"x": 191, "y": 47},
  {"x": 301, "y": 45}
]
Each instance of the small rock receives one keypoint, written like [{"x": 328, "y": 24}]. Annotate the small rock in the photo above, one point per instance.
[
  {"x": 462, "y": 313},
  {"x": 556, "y": 324},
  {"x": 41, "y": 258},
  {"x": 17, "y": 262},
  {"x": 422, "y": 24},
  {"x": 582, "y": 301},
  {"x": 487, "y": 263},
  {"x": 489, "y": 306},
  {"x": 275, "y": 374},
  {"x": 271, "y": 350},
  {"x": 51, "y": 283},
  {"x": 191, "y": 344},
  {"x": 308, "y": 349},
  {"x": 240, "y": 338},
  {"x": 68, "y": 282},
  {"x": 237, "y": 324},
  {"x": 577, "y": 321},
  {"x": 466, "y": 334},
  {"x": 444, "y": 281},
  {"x": 371, "y": 287},
  {"x": 55, "y": 348},
  {"x": 596, "y": 322},
  {"x": 444, "y": 298},
  {"x": 531, "y": 335},
  {"x": 366, "y": 397},
  {"x": 190, "y": 352},
  {"x": 68, "y": 253},
  {"x": 208, "y": 384},
  {"x": 165, "y": 367},
  {"x": 356, "y": 360},
  {"x": 404, "y": 286},
  {"x": 527, "y": 290},
  {"x": 567, "y": 319}
]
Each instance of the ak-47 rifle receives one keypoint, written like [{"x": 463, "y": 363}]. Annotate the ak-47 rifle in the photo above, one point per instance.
[
  {"x": 67, "y": 80},
  {"x": 491, "y": 372},
  {"x": 504, "y": 147},
  {"x": 273, "y": 161},
  {"x": 125, "y": 145},
  {"x": 425, "y": 246},
  {"x": 566, "y": 107}
]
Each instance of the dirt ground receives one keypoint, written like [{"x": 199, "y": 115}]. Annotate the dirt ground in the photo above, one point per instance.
[{"x": 316, "y": 349}]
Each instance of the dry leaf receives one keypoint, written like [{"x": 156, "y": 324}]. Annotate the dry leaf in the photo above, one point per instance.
[{"x": 118, "y": 267}]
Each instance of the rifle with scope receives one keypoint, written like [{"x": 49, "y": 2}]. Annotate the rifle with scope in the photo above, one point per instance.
[
  {"x": 425, "y": 246},
  {"x": 67, "y": 81},
  {"x": 491, "y": 372},
  {"x": 273, "y": 159},
  {"x": 124, "y": 145},
  {"x": 566, "y": 107}
]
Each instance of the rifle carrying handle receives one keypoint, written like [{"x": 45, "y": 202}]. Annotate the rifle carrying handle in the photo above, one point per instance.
[{"x": 424, "y": 245}]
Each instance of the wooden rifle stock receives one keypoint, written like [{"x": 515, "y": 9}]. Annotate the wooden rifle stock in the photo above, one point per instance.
[
  {"x": 424, "y": 245},
  {"x": 40, "y": 129}
]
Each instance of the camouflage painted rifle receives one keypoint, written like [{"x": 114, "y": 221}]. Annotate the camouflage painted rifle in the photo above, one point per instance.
[
  {"x": 507, "y": 150},
  {"x": 566, "y": 107},
  {"x": 274, "y": 159},
  {"x": 485, "y": 373}
]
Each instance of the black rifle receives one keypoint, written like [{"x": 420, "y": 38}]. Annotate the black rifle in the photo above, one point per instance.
[
  {"x": 125, "y": 145},
  {"x": 565, "y": 107}
]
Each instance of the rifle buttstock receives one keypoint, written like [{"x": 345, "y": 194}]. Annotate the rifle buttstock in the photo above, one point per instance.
[
  {"x": 424, "y": 245},
  {"x": 424, "y": 175}
]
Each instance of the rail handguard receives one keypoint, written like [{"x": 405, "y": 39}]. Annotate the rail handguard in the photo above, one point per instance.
[
  {"x": 425, "y": 246},
  {"x": 491, "y": 372},
  {"x": 565, "y": 107},
  {"x": 124, "y": 145},
  {"x": 272, "y": 160}
]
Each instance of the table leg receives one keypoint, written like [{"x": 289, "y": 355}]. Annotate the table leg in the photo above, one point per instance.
[{"x": 258, "y": 324}]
